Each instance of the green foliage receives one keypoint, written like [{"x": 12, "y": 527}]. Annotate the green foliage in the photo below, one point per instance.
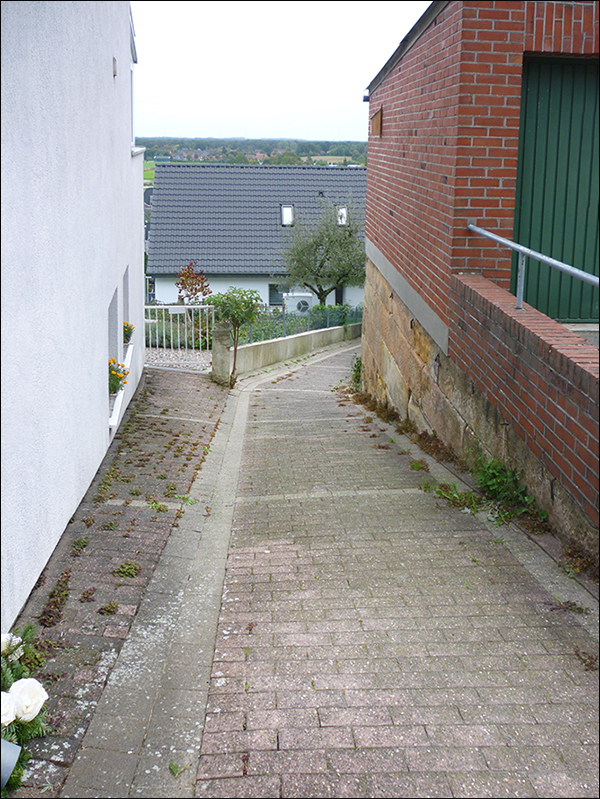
[
  {"x": 20, "y": 653},
  {"x": 128, "y": 329},
  {"x": 169, "y": 332},
  {"x": 501, "y": 483},
  {"x": 78, "y": 546},
  {"x": 52, "y": 611},
  {"x": 406, "y": 427},
  {"x": 238, "y": 307},
  {"x": 127, "y": 569},
  {"x": 117, "y": 376},
  {"x": 269, "y": 323},
  {"x": 231, "y": 149},
  {"x": 326, "y": 255},
  {"x": 158, "y": 507},
  {"x": 287, "y": 158},
  {"x": 465, "y": 500},
  {"x": 355, "y": 380},
  {"x": 175, "y": 769},
  {"x": 109, "y": 609}
]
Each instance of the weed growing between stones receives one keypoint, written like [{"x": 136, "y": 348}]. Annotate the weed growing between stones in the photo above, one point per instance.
[
  {"x": 52, "y": 612},
  {"x": 127, "y": 569},
  {"x": 465, "y": 500},
  {"x": 499, "y": 484},
  {"x": 589, "y": 661},
  {"x": 109, "y": 609},
  {"x": 355, "y": 380},
  {"x": 78, "y": 546},
  {"x": 579, "y": 561}
]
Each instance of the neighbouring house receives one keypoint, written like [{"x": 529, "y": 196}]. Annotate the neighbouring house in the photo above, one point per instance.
[
  {"x": 487, "y": 114},
  {"x": 72, "y": 265},
  {"x": 234, "y": 220}
]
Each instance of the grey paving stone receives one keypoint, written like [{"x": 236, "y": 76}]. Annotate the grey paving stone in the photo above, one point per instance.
[{"x": 318, "y": 626}]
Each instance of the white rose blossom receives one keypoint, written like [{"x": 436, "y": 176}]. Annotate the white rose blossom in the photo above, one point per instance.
[
  {"x": 10, "y": 641},
  {"x": 29, "y": 696},
  {"x": 8, "y": 709}
]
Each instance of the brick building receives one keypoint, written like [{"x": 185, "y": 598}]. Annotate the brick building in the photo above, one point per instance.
[{"x": 488, "y": 113}]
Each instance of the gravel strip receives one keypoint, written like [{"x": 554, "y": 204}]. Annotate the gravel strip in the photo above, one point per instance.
[{"x": 179, "y": 359}]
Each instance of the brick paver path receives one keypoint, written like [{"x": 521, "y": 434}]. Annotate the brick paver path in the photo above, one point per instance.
[{"x": 373, "y": 641}]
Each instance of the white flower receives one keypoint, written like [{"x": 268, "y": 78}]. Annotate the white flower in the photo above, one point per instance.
[
  {"x": 29, "y": 696},
  {"x": 8, "y": 709},
  {"x": 9, "y": 642}
]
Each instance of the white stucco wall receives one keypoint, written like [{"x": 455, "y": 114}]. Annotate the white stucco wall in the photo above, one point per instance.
[
  {"x": 72, "y": 239},
  {"x": 166, "y": 290}
]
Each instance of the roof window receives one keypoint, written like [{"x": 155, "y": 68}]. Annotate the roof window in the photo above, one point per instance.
[
  {"x": 342, "y": 215},
  {"x": 287, "y": 215}
]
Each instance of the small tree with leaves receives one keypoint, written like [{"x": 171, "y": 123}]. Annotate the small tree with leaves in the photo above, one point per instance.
[
  {"x": 327, "y": 254},
  {"x": 192, "y": 286},
  {"x": 193, "y": 289},
  {"x": 238, "y": 307}
]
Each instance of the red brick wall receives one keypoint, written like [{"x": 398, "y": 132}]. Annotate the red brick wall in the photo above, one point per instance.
[
  {"x": 538, "y": 374},
  {"x": 447, "y": 154},
  {"x": 449, "y": 143},
  {"x": 409, "y": 214}
]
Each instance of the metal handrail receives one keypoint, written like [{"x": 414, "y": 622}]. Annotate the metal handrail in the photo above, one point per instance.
[{"x": 538, "y": 256}]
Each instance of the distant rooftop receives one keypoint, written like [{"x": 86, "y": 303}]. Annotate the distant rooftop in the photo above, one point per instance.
[{"x": 228, "y": 217}]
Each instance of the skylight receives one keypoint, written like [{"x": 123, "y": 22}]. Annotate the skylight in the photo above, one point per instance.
[{"x": 287, "y": 215}]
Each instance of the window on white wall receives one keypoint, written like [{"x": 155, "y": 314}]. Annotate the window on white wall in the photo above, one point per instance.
[
  {"x": 275, "y": 295},
  {"x": 113, "y": 326},
  {"x": 126, "y": 295}
]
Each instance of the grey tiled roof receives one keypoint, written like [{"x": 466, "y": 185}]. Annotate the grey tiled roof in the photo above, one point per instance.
[{"x": 227, "y": 217}]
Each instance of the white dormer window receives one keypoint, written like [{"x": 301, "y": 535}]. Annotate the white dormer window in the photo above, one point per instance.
[
  {"x": 342, "y": 215},
  {"x": 287, "y": 215}
]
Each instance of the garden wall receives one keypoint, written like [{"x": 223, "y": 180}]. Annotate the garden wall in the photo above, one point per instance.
[
  {"x": 251, "y": 357},
  {"x": 516, "y": 384}
]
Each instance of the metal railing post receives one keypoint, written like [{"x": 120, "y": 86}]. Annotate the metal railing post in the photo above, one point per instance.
[{"x": 520, "y": 280}]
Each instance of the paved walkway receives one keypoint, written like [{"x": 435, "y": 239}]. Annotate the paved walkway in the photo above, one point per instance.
[{"x": 318, "y": 625}]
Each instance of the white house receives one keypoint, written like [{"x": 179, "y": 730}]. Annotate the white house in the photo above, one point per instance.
[
  {"x": 234, "y": 220},
  {"x": 72, "y": 265}
]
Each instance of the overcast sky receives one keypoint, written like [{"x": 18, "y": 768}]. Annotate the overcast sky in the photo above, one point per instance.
[{"x": 262, "y": 69}]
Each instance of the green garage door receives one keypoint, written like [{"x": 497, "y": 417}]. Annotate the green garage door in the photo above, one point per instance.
[{"x": 556, "y": 209}]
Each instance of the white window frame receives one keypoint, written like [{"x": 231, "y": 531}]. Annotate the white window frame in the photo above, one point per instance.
[{"x": 287, "y": 214}]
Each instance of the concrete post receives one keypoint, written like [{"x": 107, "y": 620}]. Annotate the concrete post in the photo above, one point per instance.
[{"x": 221, "y": 353}]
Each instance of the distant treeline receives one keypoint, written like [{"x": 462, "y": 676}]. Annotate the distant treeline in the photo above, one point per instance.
[{"x": 162, "y": 145}]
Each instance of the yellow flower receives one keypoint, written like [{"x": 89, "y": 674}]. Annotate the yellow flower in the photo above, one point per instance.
[{"x": 112, "y": 372}]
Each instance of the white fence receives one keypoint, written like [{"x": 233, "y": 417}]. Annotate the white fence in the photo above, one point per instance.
[{"x": 179, "y": 327}]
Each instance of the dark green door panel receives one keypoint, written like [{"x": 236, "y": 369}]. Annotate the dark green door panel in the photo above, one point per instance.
[{"x": 556, "y": 210}]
